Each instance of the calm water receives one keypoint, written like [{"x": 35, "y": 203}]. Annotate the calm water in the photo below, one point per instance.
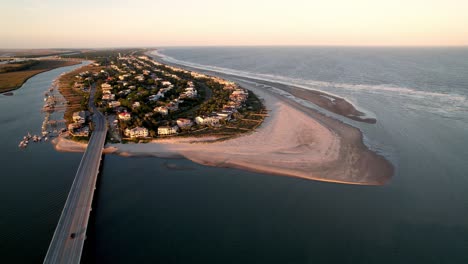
[{"x": 175, "y": 211}]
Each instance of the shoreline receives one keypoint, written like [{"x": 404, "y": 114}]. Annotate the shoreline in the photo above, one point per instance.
[
  {"x": 25, "y": 80},
  {"x": 293, "y": 140},
  {"x": 329, "y": 102}
]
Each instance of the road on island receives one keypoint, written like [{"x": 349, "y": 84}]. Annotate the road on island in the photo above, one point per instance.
[{"x": 69, "y": 236}]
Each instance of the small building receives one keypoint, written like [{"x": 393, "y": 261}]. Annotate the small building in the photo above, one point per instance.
[
  {"x": 191, "y": 92},
  {"x": 162, "y": 110},
  {"x": 184, "y": 123},
  {"x": 136, "y": 105},
  {"x": 167, "y": 130},
  {"x": 113, "y": 104},
  {"x": 125, "y": 116},
  {"x": 79, "y": 117},
  {"x": 108, "y": 97},
  {"x": 80, "y": 131},
  {"x": 155, "y": 97},
  {"x": 106, "y": 88},
  {"x": 207, "y": 120},
  {"x": 166, "y": 83},
  {"x": 137, "y": 132}
]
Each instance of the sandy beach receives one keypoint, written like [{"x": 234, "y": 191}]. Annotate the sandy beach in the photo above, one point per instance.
[{"x": 293, "y": 141}]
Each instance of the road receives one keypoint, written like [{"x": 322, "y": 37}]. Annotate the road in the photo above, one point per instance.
[{"x": 65, "y": 247}]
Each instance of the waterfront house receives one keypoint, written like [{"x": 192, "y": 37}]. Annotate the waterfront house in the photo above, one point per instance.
[
  {"x": 167, "y": 130},
  {"x": 79, "y": 117},
  {"x": 207, "y": 120},
  {"x": 184, "y": 123},
  {"x": 136, "y": 132},
  {"x": 79, "y": 131}
]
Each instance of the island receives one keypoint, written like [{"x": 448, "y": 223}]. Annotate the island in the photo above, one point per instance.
[
  {"x": 161, "y": 109},
  {"x": 15, "y": 71}
]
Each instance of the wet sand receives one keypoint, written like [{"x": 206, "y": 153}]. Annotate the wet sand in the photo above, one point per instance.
[{"x": 294, "y": 140}]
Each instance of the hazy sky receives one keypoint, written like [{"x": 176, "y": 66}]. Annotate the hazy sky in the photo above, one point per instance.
[{"x": 106, "y": 23}]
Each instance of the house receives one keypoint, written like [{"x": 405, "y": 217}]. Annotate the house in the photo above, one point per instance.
[
  {"x": 224, "y": 115},
  {"x": 140, "y": 78},
  {"x": 190, "y": 92},
  {"x": 80, "y": 131},
  {"x": 106, "y": 88},
  {"x": 108, "y": 97},
  {"x": 184, "y": 123},
  {"x": 125, "y": 116},
  {"x": 136, "y": 105},
  {"x": 207, "y": 120},
  {"x": 173, "y": 106},
  {"x": 166, "y": 83},
  {"x": 162, "y": 110},
  {"x": 113, "y": 104},
  {"x": 156, "y": 97},
  {"x": 79, "y": 117},
  {"x": 73, "y": 126},
  {"x": 167, "y": 130},
  {"x": 136, "y": 132}
]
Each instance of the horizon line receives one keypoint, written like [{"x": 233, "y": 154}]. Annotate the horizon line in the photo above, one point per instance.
[{"x": 247, "y": 45}]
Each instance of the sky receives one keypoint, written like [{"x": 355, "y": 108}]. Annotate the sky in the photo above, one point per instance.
[{"x": 150, "y": 23}]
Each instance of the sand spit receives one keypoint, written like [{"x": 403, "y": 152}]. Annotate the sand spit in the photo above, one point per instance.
[{"x": 294, "y": 140}]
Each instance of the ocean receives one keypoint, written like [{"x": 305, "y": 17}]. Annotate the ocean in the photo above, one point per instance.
[{"x": 150, "y": 210}]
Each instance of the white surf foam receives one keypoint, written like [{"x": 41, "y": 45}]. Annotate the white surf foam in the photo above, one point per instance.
[{"x": 429, "y": 100}]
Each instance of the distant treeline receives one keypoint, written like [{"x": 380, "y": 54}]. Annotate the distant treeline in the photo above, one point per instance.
[
  {"x": 101, "y": 56},
  {"x": 18, "y": 66}
]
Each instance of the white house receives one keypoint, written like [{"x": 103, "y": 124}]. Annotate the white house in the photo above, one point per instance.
[
  {"x": 167, "y": 130},
  {"x": 108, "y": 97},
  {"x": 136, "y": 105},
  {"x": 125, "y": 116},
  {"x": 166, "y": 83},
  {"x": 156, "y": 97},
  {"x": 79, "y": 117},
  {"x": 136, "y": 132},
  {"x": 207, "y": 120},
  {"x": 162, "y": 110},
  {"x": 113, "y": 104},
  {"x": 184, "y": 123},
  {"x": 106, "y": 88}
]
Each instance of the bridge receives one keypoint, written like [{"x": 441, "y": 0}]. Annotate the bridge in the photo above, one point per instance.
[{"x": 69, "y": 236}]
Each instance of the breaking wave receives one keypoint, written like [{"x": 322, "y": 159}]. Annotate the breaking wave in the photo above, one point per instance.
[{"x": 432, "y": 100}]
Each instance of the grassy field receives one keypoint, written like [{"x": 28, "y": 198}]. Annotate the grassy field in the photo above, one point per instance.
[
  {"x": 31, "y": 53},
  {"x": 13, "y": 80}
]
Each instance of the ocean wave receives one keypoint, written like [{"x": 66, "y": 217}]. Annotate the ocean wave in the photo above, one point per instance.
[{"x": 456, "y": 101}]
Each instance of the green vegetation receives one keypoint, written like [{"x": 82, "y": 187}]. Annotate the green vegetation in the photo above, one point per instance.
[
  {"x": 138, "y": 88},
  {"x": 77, "y": 98},
  {"x": 17, "y": 66},
  {"x": 14, "y": 75}
]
